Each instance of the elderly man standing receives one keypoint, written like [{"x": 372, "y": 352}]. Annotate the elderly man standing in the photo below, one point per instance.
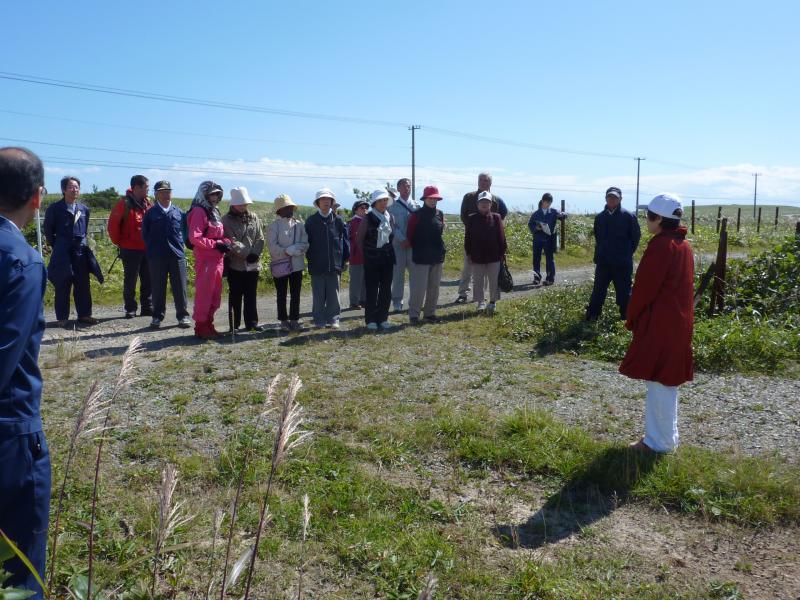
[
  {"x": 469, "y": 206},
  {"x": 616, "y": 237},
  {"x": 401, "y": 209},
  {"x": 24, "y": 457},
  {"x": 125, "y": 231},
  {"x": 163, "y": 236}
]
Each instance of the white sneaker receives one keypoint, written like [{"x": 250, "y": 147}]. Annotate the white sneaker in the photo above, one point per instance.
[
  {"x": 490, "y": 308},
  {"x": 481, "y": 306},
  {"x": 372, "y": 326},
  {"x": 387, "y": 325},
  {"x": 334, "y": 324}
]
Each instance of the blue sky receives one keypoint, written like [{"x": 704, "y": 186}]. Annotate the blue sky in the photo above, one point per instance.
[{"x": 707, "y": 92}]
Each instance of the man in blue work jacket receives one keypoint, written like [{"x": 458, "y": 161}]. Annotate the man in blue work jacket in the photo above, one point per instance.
[
  {"x": 24, "y": 457},
  {"x": 616, "y": 237}
]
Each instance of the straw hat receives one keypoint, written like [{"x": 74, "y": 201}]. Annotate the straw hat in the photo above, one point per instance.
[{"x": 283, "y": 201}]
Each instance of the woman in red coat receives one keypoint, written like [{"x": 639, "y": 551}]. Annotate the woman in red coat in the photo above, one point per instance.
[{"x": 661, "y": 317}]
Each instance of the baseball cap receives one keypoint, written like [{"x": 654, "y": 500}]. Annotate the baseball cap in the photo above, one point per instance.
[
  {"x": 485, "y": 196},
  {"x": 665, "y": 205},
  {"x": 614, "y": 191}
]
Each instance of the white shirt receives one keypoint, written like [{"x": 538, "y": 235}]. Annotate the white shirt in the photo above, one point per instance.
[{"x": 165, "y": 209}]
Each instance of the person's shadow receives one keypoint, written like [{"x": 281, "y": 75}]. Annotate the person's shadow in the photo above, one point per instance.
[{"x": 590, "y": 495}]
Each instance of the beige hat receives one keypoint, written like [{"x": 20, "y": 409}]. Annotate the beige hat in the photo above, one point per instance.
[
  {"x": 240, "y": 196},
  {"x": 283, "y": 201}
]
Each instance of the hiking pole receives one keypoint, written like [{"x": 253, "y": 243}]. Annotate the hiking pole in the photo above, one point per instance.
[
  {"x": 116, "y": 258},
  {"x": 230, "y": 322}
]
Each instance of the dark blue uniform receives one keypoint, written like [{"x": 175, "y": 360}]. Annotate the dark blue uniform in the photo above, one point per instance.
[
  {"x": 162, "y": 233},
  {"x": 543, "y": 242},
  {"x": 616, "y": 237},
  {"x": 24, "y": 457},
  {"x": 72, "y": 261}
]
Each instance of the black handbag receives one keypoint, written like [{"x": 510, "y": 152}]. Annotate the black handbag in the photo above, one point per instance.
[{"x": 504, "y": 279}]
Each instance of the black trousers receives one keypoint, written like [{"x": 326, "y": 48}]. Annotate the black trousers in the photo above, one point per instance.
[
  {"x": 243, "y": 286},
  {"x": 620, "y": 275},
  {"x": 134, "y": 263},
  {"x": 293, "y": 282},
  {"x": 79, "y": 285},
  {"x": 378, "y": 281},
  {"x": 174, "y": 268}
]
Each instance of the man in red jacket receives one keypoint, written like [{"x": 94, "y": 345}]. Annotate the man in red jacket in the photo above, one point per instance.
[
  {"x": 125, "y": 231},
  {"x": 661, "y": 317}
]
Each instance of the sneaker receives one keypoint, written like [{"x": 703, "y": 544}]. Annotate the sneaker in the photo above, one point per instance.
[
  {"x": 155, "y": 323},
  {"x": 481, "y": 306},
  {"x": 387, "y": 325},
  {"x": 286, "y": 326},
  {"x": 146, "y": 312},
  {"x": 372, "y": 326},
  {"x": 257, "y": 328},
  {"x": 184, "y": 322},
  {"x": 335, "y": 324},
  {"x": 462, "y": 299},
  {"x": 432, "y": 319},
  {"x": 548, "y": 283},
  {"x": 130, "y": 314},
  {"x": 398, "y": 307},
  {"x": 319, "y": 325},
  {"x": 295, "y": 326},
  {"x": 88, "y": 321},
  {"x": 490, "y": 308}
]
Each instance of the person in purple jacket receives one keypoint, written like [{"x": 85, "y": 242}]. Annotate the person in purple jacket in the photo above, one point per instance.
[{"x": 485, "y": 246}]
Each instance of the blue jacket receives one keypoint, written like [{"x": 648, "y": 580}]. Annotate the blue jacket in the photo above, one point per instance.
[
  {"x": 22, "y": 284},
  {"x": 65, "y": 233},
  {"x": 162, "y": 232},
  {"x": 328, "y": 244},
  {"x": 550, "y": 217},
  {"x": 616, "y": 237}
]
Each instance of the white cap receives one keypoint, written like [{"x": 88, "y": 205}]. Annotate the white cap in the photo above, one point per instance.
[
  {"x": 324, "y": 193},
  {"x": 240, "y": 196},
  {"x": 485, "y": 196},
  {"x": 378, "y": 195},
  {"x": 665, "y": 205}
]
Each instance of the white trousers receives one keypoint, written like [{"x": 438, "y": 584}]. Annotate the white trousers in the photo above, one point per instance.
[{"x": 661, "y": 417}]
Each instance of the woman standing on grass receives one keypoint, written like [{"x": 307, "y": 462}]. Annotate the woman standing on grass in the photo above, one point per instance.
[
  {"x": 485, "y": 246},
  {"x": 206, "y": 236},
  {"x": 425, "y": 233},
  {"x": 244, "y": 265},
  {"x": 287, "y": 242},
  {"x": 661, "y": 317},
  {"x": 358, "y": 292},
  {"x": 375, "y": 235}
]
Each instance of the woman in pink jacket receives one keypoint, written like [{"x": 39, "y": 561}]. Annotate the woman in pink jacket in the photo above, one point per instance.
[{"x": 207, "y": 239}]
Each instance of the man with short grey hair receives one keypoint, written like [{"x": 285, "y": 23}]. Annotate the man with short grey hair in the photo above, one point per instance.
[
  {"x": 469, "y": 206},
  {"x": 401, "y": 209}
]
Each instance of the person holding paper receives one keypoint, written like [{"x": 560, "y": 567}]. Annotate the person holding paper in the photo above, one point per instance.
[{"x": 543, "y": 224}]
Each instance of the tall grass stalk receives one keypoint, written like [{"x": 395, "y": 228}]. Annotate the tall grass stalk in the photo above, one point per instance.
[
  {"x": 429, "y": 588},
  {"x": 170, "y": 517},
  {"x": 287, "y": 437},
  {"x": 90, "y": 413},
  {"x": 248, "y": 452},
  {"x": 219, "y": 514},
  {"x": 124, "y": 379}
]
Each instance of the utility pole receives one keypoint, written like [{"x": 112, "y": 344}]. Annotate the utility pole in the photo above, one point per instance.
[
  {"x": 413, "y": 128},
  {"x": 755, "y": 194},
  {"x": 638, "y": 167}
]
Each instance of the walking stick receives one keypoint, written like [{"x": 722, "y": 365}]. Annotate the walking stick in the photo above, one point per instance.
[
  {"x": 230, "y": 322},
  {"x": 116, "y": 258}
]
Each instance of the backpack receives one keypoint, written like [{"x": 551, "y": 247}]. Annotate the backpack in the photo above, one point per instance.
[{"x": 185, "y": 230}]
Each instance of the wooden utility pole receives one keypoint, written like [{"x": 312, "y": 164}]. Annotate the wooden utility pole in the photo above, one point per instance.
[
  {"x": 755, "y": 193},
  {"x": 413, "y": 129},
  {"x": 638, "y": 168}
]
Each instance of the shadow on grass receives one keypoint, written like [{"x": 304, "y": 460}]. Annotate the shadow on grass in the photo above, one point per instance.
[{"x": 589, "y": 496}]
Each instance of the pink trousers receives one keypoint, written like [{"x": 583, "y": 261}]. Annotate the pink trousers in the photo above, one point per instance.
[{"x": 207, "y": 287}]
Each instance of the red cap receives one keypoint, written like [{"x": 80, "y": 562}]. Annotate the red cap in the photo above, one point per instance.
[{"x": 431, "y": 191}]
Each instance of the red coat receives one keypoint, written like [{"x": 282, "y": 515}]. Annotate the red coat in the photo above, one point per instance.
[
  {"x": 356, "y": 253},
  {"x": 127, "y": 233},
  {"x": 661, "y": 312}
]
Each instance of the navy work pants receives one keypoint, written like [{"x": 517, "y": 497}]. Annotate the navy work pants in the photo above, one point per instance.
[{"x": 620, "y": 276}]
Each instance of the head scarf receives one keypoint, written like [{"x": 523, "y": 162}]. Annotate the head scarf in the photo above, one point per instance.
[
  {"x": 201, "y": 200},
  {"x": 384, "y": 227}
]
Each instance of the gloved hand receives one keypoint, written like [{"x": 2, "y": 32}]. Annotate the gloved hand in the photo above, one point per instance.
[
  {"x": 252, "y": 258},
  {"x": 223, "y": 247}
]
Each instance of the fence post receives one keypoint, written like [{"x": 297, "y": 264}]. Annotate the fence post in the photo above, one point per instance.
[
  {"x": 738, "y": 218},
  {"x": 692, "y": 217},
  {"x": 777, "y": 212},
  {"x": 563, "y": 226},
  {"x": 718, "y": 288},
  {"x": 719, "y": 217},
  {"x": 758, "y": 223}
]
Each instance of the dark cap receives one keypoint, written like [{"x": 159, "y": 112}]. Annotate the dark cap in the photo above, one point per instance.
[
  {"x": 547, "y": 197},
  {"x": 614, "y": 191},
  {"x": 162, "y": 185},
  {"x": 358, "y": 203}
]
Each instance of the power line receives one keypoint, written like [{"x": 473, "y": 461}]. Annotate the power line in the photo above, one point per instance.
[{"x": 196, "y": 134}]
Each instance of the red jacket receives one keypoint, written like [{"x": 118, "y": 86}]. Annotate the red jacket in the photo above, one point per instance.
[
  {"x": 356, "y": 253},
  {"x": 661, "y": 312},
  {"x": 485, "y": 238},
  {"x": 127, "y": 232}
]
